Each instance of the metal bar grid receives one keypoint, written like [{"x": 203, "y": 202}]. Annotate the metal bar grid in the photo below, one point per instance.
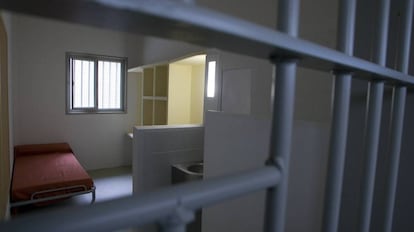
[
  {"x": 187, "y": 22},
  {"x": 196, "y": 25},
  {"x": 397, "y": 115}
]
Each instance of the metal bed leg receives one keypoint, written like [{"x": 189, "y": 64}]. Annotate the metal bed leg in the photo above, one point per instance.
[
  {"x": 282, "y": 119},
  {"x": 373, "y": 120},
  {"x": 93, "y": 195},
  {"x": 339, "y": 128}
]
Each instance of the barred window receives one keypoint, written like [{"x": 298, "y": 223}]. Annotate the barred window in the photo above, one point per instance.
[{"x": 95, "y": 83}]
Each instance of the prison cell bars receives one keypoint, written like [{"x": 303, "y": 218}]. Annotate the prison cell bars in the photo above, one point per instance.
[
  {"x": 397, "y": 114},
  {"x": 373, "y": 119},
  {"x": 174, "y": 207}
]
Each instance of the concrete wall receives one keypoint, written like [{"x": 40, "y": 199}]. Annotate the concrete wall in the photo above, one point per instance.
[{"x": 39, "y": 82}]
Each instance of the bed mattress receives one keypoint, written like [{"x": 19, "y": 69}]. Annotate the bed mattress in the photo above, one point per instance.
[{"x": 47, "y": 167}]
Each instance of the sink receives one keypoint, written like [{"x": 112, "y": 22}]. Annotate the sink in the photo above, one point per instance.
[
  {"x": 190, "y": 171},
  {"x": 197, "y": 168}
]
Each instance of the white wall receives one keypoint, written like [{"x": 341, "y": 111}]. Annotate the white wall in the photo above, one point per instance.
[
  {"x": 260, "y": 84},
  {"x": 38, "y": 86},
  {"x": 156, "y": 148},
  {"x": 235, "y": 143},
  {"x": 156, "y": 50}
]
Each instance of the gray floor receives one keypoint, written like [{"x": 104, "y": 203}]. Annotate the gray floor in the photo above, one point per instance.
[{"x": 110, "y": 184}]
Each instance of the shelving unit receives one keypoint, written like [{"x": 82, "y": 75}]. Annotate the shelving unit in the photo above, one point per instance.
[
  {"x": 173, "y": 93},
  {"x": 155, "y": 95}
]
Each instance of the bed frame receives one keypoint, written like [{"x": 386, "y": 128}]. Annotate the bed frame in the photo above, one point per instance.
[{"x": 61, "y": 177}]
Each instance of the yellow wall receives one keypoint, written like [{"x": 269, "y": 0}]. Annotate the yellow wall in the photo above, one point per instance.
[
  {"x": 179, "y": 94},
  {"x": 197, "y": 94}
]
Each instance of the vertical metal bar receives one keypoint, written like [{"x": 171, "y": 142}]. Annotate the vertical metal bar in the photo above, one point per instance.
[
  {"x": 404, "y": 44},
  {"x": 373, "y": 120},
  {"x": 178, "y": 220},
  {"x": 282, "y": 120},
  {"x": 397, "y": 117},
  {"x": 339, "y": 126},
  {"x": 96, "y": 85},
  {"x": 399, "y": 95},
  {"x": 373, "y": 124},
  {"x": 380, "y": 50}
]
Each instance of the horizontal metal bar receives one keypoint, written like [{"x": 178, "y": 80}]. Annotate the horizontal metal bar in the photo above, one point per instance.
[
  {"x": 48, "y": 191},
  {"x": 148, "y": 208},
  {"x": 190, "y": 23}
]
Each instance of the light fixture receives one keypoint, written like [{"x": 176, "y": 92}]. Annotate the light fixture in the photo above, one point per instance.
[{"x": 211, "y": 79}]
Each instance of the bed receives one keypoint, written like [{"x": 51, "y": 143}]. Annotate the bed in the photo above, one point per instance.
[{"x": 46, "y": 173}]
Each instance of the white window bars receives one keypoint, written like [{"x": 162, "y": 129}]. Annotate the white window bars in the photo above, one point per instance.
[
  {"x": 95, "y": 83},
  {"x": 193, "y": 24}
]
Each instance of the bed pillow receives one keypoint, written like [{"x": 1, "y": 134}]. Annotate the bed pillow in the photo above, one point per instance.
[{"x": 33, "y": 149}]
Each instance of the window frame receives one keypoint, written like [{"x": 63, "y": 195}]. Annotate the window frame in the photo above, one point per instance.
[{"x": 95, "y": 58}]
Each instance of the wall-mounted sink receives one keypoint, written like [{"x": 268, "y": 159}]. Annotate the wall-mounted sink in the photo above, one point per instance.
[
  {"x": 196, "y": 168},
  {"x": 187, "y": 172}
]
